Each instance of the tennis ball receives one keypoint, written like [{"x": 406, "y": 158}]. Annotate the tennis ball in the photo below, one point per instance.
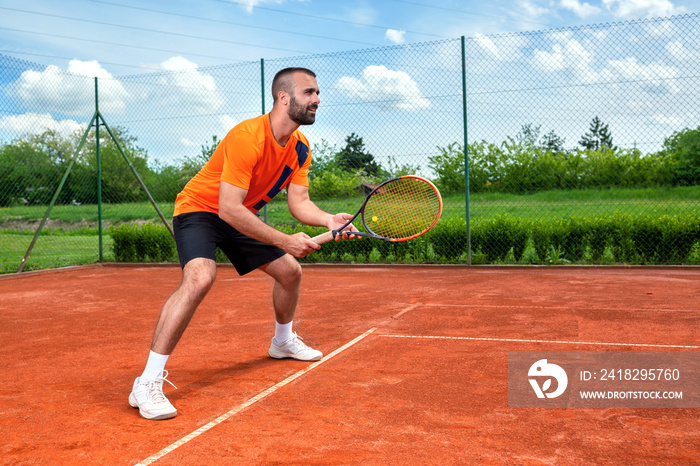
[{"x": 374, "y": 219}]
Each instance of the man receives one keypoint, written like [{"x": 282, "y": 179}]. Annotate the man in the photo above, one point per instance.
[{"x": 218, "y": 207}]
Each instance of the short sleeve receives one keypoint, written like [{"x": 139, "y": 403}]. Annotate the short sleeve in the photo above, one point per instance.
[{"x": 241, "y": 154}]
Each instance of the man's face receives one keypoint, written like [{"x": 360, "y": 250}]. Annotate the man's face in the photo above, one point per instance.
[{"x": 304, "y": 100}]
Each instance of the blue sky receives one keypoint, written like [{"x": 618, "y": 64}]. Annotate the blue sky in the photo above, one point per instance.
[
  {"x": 397, "y": 84},
  {"x": 130, "y": 37}
]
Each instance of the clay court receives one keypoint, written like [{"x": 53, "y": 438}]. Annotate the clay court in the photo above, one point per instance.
[{"x": 415, "y": 368}]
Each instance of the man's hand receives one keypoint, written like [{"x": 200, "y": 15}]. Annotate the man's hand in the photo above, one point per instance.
[
  {"x": 337, "y": 221},
  {"x": 300, "y": 245}
]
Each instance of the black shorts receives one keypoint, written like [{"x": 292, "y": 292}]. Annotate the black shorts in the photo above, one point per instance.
[{"x": 198, "y": 234}]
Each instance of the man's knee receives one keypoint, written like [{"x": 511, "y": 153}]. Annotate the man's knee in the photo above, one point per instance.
[
  {"x": 294, "y": 273},
  {"x": 198, "y": 277},
  {"x": 286, "y": 271}
]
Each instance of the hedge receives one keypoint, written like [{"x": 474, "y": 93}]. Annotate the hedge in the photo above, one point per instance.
[
  {"x": 627, "y": 239},
  {"x": 147, "y": 243}
]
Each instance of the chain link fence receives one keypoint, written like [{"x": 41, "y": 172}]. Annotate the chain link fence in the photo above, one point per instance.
[{"x": 583, "y": 146}]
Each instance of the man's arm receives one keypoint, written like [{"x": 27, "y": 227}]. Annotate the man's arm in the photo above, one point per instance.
[
  {"x": 233, "y": 212},
  {"x": 306, "y": 211}
]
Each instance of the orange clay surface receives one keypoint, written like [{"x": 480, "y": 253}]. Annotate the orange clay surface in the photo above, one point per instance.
[{"x": 72, "y": 342}]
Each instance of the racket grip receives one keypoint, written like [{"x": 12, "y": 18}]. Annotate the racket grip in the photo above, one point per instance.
[{"x": 323, "y": 237}]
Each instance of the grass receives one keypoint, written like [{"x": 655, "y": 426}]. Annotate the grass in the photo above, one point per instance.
[
  {"x": 72, "y": 238},
  {"x": 51, "y": 251},
  {"x": 587, "y": 203},
  {"x": 111, "y": 213}
]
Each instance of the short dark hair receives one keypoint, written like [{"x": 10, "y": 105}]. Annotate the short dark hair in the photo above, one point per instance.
[{"x": 283, "y": 80}]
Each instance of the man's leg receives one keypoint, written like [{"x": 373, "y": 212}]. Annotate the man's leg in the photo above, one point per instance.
[
  {"x": 197, "y": 278},
  {"x": 285, "y": 294},
  {"x": 147, "y": 394},
  {"x": 287, "y": 274}
]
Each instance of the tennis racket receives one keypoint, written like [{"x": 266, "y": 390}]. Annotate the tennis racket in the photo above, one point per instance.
[{"x": 397, "y": 210}]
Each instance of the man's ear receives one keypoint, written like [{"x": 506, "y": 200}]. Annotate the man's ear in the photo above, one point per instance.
[{"x": 283, "y": 97}]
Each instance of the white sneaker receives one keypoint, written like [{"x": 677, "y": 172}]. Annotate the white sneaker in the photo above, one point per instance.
[
  {"x": 148, "y": 397},
  {"x": 294, "y": 348}
]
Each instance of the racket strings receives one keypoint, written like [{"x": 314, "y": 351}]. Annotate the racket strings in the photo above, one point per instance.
[{"x": 402, "y": 208}]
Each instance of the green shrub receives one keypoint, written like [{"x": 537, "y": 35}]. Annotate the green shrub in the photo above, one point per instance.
[
  {"x": 614, "y": 239},
  {"x": 495, "y": 237},
  {"x": 148, "y": 243}
]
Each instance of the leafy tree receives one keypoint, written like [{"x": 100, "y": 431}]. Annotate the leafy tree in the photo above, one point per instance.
[
  {"x": 527, "y": 136},
  {"x": 400, "y": 170},
  {"x": 354, "y": 156},
  {"x": 683, "y": 148},
  {"x": 31, "y": 168},
  {"x": 192, "y": 165},
  {"x": 448, "y": 165},
  {"x": 597, "y": 137},
  {"x": 324, "y": 159},
  {"x": 552, "y": 142},
  {"x": 118, "y": 182}
]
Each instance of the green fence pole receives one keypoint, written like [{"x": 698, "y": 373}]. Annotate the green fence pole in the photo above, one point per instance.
[
  {"x": 262, "y": 93},
  {"x": 99, "y": 171},
  {"x": 466, "y": 152}
]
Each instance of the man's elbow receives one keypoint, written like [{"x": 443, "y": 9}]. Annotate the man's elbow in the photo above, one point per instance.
[{"x": 228, "y": 215}]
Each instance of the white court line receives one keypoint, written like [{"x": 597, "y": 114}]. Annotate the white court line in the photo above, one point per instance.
[
  {"x": 250, "y": 402},
  {"x": 520, "y": 340}
]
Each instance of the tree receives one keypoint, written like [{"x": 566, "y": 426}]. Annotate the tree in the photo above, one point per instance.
[
  {"x": 448, "y": 165},
  {"x": 192, "y": 165},
  {"x": 353, "y": 156},
  {"x": 683, "y": 148},
  {"x": 118, "y": 182},
  {"x": 324, "y": 159},
  {"x": 598, "y": 136},
  {"x": 527, "y": 137},
  {"x": 32, "y": 166},
  {"x": 552, "y": 142}
]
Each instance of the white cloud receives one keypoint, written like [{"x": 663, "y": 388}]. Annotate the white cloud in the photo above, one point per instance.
[
  {"x": 570, "y": 55},
  {"x": 673, "y": 121},
  {"x": 582, "y": 10},
  {"x": 187, "y": 143},
  {"x": 678, "y": 51},
  {"x": 249, "y": 5},
  {"x": 227, "y": 123},
  {"x": 486, "y": 44},
  {"x": 504, "y": 50},
  {"x": 654, "y": 77},
  {"x": 71, "y": 92},
  {"x": 395, "y": 36},
  {"x": 186, "y": 88},
  {"x": 384, "y": 88},
  {"x": 661, "y": 29},
  {"x": 533, "y": 11},
  {"x": 631, "y": 9},
  {"x": 600, "y": 36},
  {"x": 37, "y": 123}
]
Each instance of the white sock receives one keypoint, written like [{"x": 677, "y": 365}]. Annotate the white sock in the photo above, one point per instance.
[
  {"x": 283, "y": 332},
  {"x": 154, "y": 366}
]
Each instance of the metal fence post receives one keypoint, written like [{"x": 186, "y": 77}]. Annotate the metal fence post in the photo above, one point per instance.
[
  {"x": 466, "y": 152},
  {"x": 99, "y": 171}
]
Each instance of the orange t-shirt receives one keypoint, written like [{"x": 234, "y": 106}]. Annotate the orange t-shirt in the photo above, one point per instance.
[{"x": 248, "y": 157}]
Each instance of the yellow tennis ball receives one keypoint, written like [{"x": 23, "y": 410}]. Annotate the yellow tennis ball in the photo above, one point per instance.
[{"x": 374, "y": 219}]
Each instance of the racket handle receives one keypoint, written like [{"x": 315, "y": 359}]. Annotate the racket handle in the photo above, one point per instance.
[{"x": 323, "y": 237}]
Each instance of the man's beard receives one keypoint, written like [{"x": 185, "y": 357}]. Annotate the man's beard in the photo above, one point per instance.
[{"x": 300, "y": 114}]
